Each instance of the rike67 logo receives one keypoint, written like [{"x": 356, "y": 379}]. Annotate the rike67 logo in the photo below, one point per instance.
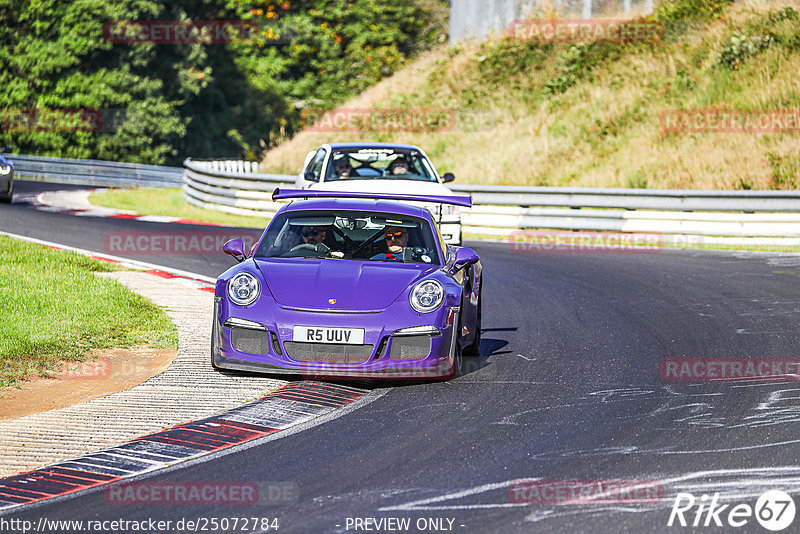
[{"x": 774, "y": 510}]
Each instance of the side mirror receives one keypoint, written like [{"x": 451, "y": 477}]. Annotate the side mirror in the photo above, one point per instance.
[
  {"x": 465, "y": 256},
  {"x": 310, "y": 176},
  {"x": 448, "y": 177},
  {"x": 235, "y": 248}
]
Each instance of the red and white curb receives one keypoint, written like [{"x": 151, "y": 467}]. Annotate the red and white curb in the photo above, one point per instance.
[
  {"x": 288, "y": 406},
  {"x": 80, "y": 206},
  {"x": 191, "y": 280}
]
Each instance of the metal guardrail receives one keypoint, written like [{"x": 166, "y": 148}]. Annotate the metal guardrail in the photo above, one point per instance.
[
  {"x": 95, "y": 172},
  {"x": 633, "y": 199},
  {"x": 772, "y": 216},
  {"x": 502, "y": 210},
  {"x": 478, "y": 18},
  {"x": 241, "y": 193},
  {"x": 229, "y": 165}
]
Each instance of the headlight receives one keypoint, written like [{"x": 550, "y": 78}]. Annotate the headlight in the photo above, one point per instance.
[
  {"x": 243, "y": 289},
  {"x": 450, "y": 209},
  {"x": 5, "y": 169},
  {"x": 426, "y": 296}
]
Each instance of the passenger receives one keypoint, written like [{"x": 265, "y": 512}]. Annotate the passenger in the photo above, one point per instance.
[
  {"x": 396, "y": 242},
  {"x": 399, "y": 166}
]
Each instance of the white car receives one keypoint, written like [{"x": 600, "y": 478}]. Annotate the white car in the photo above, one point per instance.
[{"x": 382, "y": 168}]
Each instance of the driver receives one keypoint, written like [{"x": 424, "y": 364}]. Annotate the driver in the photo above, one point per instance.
[
  {"x": 313, "y": 234},
  {"x": 342, "y": 168},
  {"x": 396, "y": 242}
]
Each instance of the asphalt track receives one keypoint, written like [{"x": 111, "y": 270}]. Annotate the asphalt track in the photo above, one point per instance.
[{"x": 567, "y": 388}]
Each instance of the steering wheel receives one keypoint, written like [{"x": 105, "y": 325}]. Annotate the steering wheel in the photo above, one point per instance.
[
  {"x": 416, "y": 254},
  {"x": 303, "y": 249}
]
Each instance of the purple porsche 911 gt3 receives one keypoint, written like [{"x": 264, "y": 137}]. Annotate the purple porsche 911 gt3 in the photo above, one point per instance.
[{"x": 344, "y": 284}]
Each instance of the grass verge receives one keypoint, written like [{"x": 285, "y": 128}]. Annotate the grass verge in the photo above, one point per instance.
[
  {"x": 54, "y": 309},
  {"x": 169, "y": 202}
]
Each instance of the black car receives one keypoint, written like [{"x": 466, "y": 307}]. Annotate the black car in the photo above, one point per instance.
[{"x": 6, "y": 177}]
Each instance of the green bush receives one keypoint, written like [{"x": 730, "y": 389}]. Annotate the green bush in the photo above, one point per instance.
[
  {"x": 687, "y": 11},
  {"x": 785, "y": 171},
  {"x": 740, "y": 47},
  {"x": 779, "y": 27},
  {"x": 578, "y": 61}
]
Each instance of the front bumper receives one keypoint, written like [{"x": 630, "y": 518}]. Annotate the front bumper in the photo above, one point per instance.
[{"x": 267, "y": 345}]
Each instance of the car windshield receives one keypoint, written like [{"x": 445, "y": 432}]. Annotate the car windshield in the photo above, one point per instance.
[
  {"x": 382, "y": 163},
  {"x": 350, "y": 235}
]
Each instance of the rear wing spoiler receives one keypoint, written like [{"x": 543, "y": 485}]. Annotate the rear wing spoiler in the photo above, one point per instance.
[{"x": 280, "y": 194}]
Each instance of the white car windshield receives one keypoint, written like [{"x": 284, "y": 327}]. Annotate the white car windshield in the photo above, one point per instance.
[
  {"x": 378, "y": 163},
  {"x": 350, "y": 235}
]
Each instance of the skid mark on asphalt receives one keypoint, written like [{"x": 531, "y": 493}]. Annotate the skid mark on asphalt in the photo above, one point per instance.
[
  {"x": 733, "y": 485},
  {"x": 787, "y": 261},
  {"x": 676, "y": 409}
]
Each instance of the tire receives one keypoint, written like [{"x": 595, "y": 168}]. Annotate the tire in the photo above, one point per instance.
[
  {"x": 474, "y": 348},
  {"x": 458, "y": 360},
  {"x": 7, "y": 197}
]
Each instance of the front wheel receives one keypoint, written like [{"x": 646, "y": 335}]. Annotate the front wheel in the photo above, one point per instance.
[
  {"x": 457, "y": 362},
  {"x": 474, "y": 348}
]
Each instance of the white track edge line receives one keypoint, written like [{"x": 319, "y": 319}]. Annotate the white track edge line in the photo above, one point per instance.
[{"x": 135, "y": 263}]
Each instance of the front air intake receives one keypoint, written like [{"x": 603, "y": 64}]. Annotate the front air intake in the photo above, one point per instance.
[
  {"x": 327, "y": 352},
  {"x": 409, "y": 347},
  {"x": 249, "y": 341}
]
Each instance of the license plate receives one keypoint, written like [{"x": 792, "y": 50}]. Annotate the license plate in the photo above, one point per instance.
[{"x": 324, "y": 334}]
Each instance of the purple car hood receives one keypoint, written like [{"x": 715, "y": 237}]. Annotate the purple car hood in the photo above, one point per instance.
[{"x": 352, "y": 285}]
